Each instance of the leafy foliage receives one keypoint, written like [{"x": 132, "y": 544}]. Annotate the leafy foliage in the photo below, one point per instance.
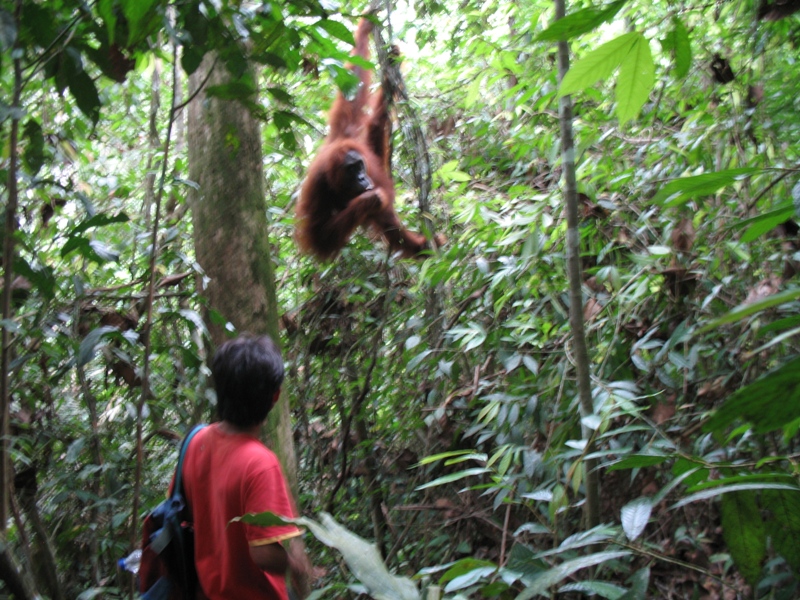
[{"x": 434, "y": 402}]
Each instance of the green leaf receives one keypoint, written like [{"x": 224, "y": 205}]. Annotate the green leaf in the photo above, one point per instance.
[
  {"x": 636, "y": 461},
  {"x": 41, "y": 277},
  {"x": 83, "y": 90},
  {"x": 682, "y": 48},
  {"x": 105, "y": 8},
  {"x": 191, "y": 58},
  {"x": 639, "y": 581},
  {"x": 138, "y": 13},
  {"x": 280, "y": 94},
  {"x": 92, "y": 339},
  {"x": 636, "y": 80},
  {"x": 75, "y": 243},
  {"x": 744, "y": 533},
  {"x": 598, "y": 65},
  {"x": 580, "y": 22},
  {"x": 337, "y": 30},
  {"x": 33, "y": 157},
  {"x": 686, "y": 188},
  {"x": 543, "y": 582},
  {"x": 765, "y": 221},
  {"x": 745, "y": 310},
  {"x": 235, "y": 90},
  {"x": 74, "y": 450},
  {"x": 783, "y": 524},
  {"x": 454, "y": 477},
  {"x": 99, "y": 220},
  {"x": 769, "y": 403},
  {"x": 441, "y": 456}
]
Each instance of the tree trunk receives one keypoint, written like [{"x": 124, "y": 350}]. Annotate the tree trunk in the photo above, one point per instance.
[
  {"x": 591, "y": 479},
  {"x": 230, "y": 228}
]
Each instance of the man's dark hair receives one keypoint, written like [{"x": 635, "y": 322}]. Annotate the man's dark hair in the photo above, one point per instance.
[{"x": 247, "y": 371}]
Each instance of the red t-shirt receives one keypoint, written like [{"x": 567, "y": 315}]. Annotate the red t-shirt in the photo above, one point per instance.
[{"x": 226, "y": 476}]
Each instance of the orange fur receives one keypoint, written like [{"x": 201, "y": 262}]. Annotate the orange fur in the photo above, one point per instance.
[{"x": 327, "y": 214}]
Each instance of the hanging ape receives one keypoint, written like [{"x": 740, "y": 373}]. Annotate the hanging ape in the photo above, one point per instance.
[{"x": 349, "y": 183}]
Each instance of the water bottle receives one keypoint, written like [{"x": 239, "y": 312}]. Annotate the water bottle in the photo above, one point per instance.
[{"x": 131, "y": 562}]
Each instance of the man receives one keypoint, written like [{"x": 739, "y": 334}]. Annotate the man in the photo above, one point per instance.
[{"x": 228, "y": 472}]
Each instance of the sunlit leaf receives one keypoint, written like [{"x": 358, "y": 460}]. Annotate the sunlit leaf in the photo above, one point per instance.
[
  {"x": 137, "y": 13},
  {"x": 635, "y": 81},
  {"x": 679, "y": 43},
  {"x": 580, "y": 22},
  {"x": 453, "y": 477},
  {"x": 336, "y": 29},
  {"x": 598, "y": 64},
  {"x": 679, "y": 191}
]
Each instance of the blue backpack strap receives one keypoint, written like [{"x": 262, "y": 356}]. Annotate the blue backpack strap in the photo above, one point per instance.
[
  {"x": 175, "y": 503},
  {"x": 177, "y": 487}
]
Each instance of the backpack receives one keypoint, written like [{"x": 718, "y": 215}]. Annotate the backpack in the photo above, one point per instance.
[{"x": 167, "y": 570}]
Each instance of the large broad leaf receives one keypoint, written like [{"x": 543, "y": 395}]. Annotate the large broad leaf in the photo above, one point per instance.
[
  {"x": 599, "y": 64},
  {"x": 337, "y": 30},
  {"x": 635, "y": 516},
  {"x": 580, "y": 22},
  {"x": 105, "y": 8},
  {"x": 745, "y": 310},
  {"x": 361, "y": 557},
  {"x": 635, "y": 81},
  {"x": 81, "y": 85},
  {"x": 138, "y": 13},
  {"x": 678, "y": 42},
  {"x": 686, "y": 188},
  {"x": 769, "y": 403},
  {"x": 765, "y": 221},
  {"x": 92, "y": 339},
  {"x": 541, "y": 584},
  {"x": 744, "y": 533},
  {"x": 783, "y": 524}
]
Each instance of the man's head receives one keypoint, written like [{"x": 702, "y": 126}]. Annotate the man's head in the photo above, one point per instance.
[{"x": 248, "y": 373}]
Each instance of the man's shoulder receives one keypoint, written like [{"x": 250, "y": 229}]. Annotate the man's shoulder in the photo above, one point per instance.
[{"x": 253, "y": 449}]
